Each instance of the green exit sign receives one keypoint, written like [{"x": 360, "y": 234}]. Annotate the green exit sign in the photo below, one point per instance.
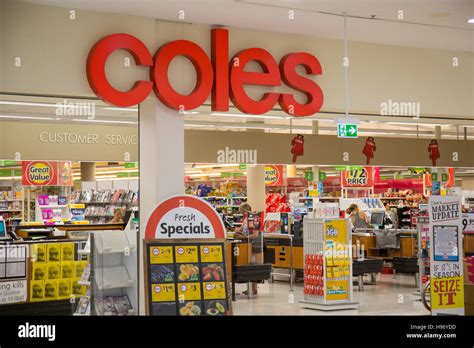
[{"x": 347, "y": 130}]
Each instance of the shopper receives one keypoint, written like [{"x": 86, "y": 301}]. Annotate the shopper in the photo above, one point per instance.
[
  {"x": 117, "y": 219},
  {"x": 254, "y": 237},
  {"x": 388, "y": 219},
  {"x": 358, "y": 218}
]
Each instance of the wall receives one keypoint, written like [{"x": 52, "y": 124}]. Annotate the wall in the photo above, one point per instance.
[{"x": 53, "y": 49}]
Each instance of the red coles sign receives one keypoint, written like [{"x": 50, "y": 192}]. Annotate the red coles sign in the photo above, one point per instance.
[{"x": 216, "y": 76}]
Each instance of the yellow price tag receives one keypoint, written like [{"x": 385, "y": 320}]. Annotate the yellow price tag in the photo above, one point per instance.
[
  {"x": 214, "y": 290},
  {"x": 162, "y": 293},
  {"x": 189, "y": 291},
  {"x": 186, "y": 253},
  {"x": 77, "y": 206},
  {"x": 211, "y": 253},
  {"x": 161, "y": 254}
]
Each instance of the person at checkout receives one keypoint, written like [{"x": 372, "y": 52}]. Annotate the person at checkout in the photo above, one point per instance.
[
  {"x": 255, "y": 238},
  {"x": 358, "y": 218}
]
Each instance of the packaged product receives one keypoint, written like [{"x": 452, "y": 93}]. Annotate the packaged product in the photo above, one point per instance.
[
  {"x": 329, "y": 272},
  {"x": 347, "y": 271},
  {"x": 53, "y": 270},
  {"x": 53, "y": 252},
  {"x": 36, "y": 290},
  {"x": 64, "y": 289},
  {"x": 67, "y": 270},
  {"x": 329, "y": 259},
  {"x": 335, "y": 272},
  {"x": 67, "y": 251},
  {"x": 38, "y": 252},
  {"x": 76, "y": 288},
  {"x": 50, "y": 290},
  {"x": 79, "y": 268},
  {"x": 38, "y": 271}
]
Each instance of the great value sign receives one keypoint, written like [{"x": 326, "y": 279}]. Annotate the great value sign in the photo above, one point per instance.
[
  {"x": 446, "y": 281},
  {"x": 359, "y": 177},
  {"x": 218, "y": 76},
  {"x": 273, "y": 175},
  {"x": 13, "y": 291},
  {"x": 184, "y": 217},
  {"x": 46, "y": 173}
]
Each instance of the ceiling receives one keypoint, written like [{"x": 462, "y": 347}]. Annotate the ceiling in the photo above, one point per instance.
[{"x": 437, "y": 24}]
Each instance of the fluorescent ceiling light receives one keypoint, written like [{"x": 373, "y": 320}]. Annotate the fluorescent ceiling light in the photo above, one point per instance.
[
  {"x": 216, "y": 165},
  {"x": 117, "y": 179},
  {"x": 193, "y": 171},
  {"x": 204, "y": 174},
  {"x": 220, "y": 114},
  {"x": 190, "y": 112},
  {"x": 16, "y": 117},
  {"x": 418, "y": 124},
  {"x": 250, "y": 127},
  {"x": 120, "y": 109},
  {"x": 199, "y": 125},
  {"x": 104, "y": 121},
  {"x": 470, "y": 20}
]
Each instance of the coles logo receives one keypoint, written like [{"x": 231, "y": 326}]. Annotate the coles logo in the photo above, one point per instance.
[
  {"x": 38, "y": 173},
  {"x": 218, "y": 76}
]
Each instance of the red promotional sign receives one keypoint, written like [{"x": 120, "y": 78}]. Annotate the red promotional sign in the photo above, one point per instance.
[
  {"x": 184, "y": 217},
  {"x": 360, "y": 177},
  {"x": 217, "y": 76},
  {"x": 39, "y": 173},
  {"x": 273, "y": 175},
  {"x": 46, "y": 173}
]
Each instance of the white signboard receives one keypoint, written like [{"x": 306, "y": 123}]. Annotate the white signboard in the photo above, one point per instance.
[
  {"x": 13, "y": 291},
  {"x": 446, "y": 281}
]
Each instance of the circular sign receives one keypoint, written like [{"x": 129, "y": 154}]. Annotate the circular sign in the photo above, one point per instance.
[
  {"x": 180, "y": 250},
  {"x": 209, "y": 286},
  {"x": 184, "y": 217},
  {"x": 156, "y": 251},
  {"x": 205, "y": 250},
  {"x": 184, "y": 288},
  {"x": 39, "y": 173},
  {"x": 157, "y": 289}
]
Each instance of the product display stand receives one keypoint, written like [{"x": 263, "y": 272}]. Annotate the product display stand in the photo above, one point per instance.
[
  {"x": 327, "y": 265},
  {"x": 422, "y": 228}
]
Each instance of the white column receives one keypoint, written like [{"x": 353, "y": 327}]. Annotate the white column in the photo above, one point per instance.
[
  {"x": 256, "y": 187},
  {"x": 161, "y": 164}
]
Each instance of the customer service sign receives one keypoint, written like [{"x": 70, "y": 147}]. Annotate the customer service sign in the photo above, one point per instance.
[{"x": 446, "y": 282}]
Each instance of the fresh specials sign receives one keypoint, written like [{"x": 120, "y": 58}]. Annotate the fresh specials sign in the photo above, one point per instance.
[
  {"x": 446, "y": 281},
  {"x": 184, "y": 217}
]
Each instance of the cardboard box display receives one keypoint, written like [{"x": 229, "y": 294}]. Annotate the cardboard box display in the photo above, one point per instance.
[
  {"x": 64, "y": 289},
  {"x": 50, "y": 290},
  {"x": 79, "y": 268},
  {"x": 76, "y": 288},
  {"x": 36, "y": 290},
  {"x": 67, "y": 251},
  {"x": 54, "y": 252},
  {"x": 38, "y": 271},
  {"x": 53, "y": 270},
  {"x": 67, "y": 270},
  {"x": 469, "y": 293},
  {"x": 38, "y": 252}
]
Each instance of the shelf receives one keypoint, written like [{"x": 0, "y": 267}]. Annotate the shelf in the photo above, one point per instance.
[
  {"x": 11, "y": 211},
  {"x": 112, "y": 278},
  {"x": 11, "y": 200},
  {"x": 84, "y": 282},
  {"x": 52, "y": 206},
  {"x": 110, "y": 243}
]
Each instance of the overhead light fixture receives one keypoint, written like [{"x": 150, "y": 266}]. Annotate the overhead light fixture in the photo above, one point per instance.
[
  {"x": 418, "y": 124},
  {"x": 214, "y": 175},
  {"x": 199, "y": 125},
  {"x": 121, "y": 109},
  {"x": 104, "y": 121},
  {"x": 190, "y": 112},
  {"x": 470, "y": 20},
  {"x": 215, "y": 165},
  {"x": 18, "y": 117},
  {"x": 222, "y": 114}
]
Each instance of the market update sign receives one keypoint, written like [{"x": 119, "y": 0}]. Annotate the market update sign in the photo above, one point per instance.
[
  {"x": 46, "y": 173},
  {"x": 357, "y": 177},
  {"x": 184, "y": 217},
  {"x": 446, "y": 282}
]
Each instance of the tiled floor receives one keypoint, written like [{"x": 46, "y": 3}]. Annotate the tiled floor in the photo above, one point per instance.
[{"x": 389, "y": 297}]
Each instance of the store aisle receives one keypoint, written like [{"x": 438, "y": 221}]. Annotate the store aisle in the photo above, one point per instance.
[{"x": 389, "y": 297}]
